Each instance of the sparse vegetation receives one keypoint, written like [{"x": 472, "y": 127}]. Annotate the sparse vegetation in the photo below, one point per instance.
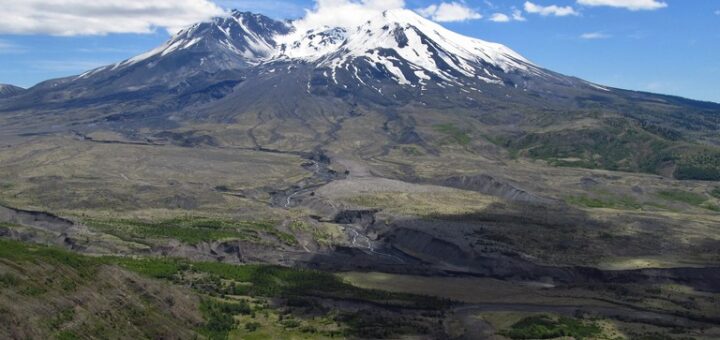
[
  {"x": 220, "y": 317},
  {"x": 681, "y": 196},
  {"x": 621, "y": 145},
  {"x": 620, "y": 202},
  {"x": 715, "y": 192},
  {"x": 546, "y": 327},
  {"x": 216, "y": 280},
  {"x": 192, "y": 230},
  {"x": 700, "y": 165},
  {"x": 50, "y": 293},
  {"x": 454, "y": 134}
]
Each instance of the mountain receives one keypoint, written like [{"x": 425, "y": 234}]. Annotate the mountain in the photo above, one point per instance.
[
  {"x": 236, "y": 42},
  {"x": 9, "y": 90},
  {"x": 395, "y": 157},
  {"x": 249, "y": 68}
]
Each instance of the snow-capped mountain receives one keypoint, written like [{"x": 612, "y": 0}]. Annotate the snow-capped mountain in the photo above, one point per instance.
[
  {"x": 408, "y": 46},
  {"x": 235, "y": 42},
  {"x": 400, "y": 44},
  {"x": 246, "y": 64},
  {"x": 241, "y": 39}
]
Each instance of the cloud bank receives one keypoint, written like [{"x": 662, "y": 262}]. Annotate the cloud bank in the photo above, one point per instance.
[
  {"x": 99, "y": 17},
  {"x": 449, "y": 12},
  {"x": 344, "y": 13},
  {"x": 552, "y": 10},
  {"x": 500, "y": 17}
]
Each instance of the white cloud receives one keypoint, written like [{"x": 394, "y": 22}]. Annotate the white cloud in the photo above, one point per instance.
[
  {"x": 99, "y": 17},
  {"x": 633, "y": 5},
  {"x": 517, "y": 15},
  {"x": 553, "y": 10},
  {"x": 594, "y": 36},
  {"x": 344, "y": 13},
  {"x": 449, "y": 12},
  {"x": 499, "y": 17}
]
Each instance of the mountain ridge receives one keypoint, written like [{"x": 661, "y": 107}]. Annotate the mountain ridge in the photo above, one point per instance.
[{"x": 7, "y": 90}]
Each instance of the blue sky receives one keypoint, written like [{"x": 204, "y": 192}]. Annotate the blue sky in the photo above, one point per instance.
[{"x": 664, "y": 46}]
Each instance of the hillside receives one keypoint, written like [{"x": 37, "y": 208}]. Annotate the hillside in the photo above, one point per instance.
[{"x": 7, "y": 91}]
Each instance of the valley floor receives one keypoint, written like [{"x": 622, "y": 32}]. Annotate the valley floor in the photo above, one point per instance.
[{"x": 106, "y": 236}]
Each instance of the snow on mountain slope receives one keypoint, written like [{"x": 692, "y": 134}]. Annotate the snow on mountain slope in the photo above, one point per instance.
[
  {"x": 410, "y": 49},
  {"x": 428, "y": 47},
  {"x": 245, "y": 34},
  {"x": 237, "y": 41}
]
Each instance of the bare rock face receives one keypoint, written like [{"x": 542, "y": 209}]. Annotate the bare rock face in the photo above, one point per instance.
[
  {"x": 35, "y": 219},
  {"x": 489, "y": 185}
]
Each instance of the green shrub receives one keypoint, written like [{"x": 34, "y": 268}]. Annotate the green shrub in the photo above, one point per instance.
[
  {"x": 8, "y": 280},
  {"x": 683, "y": 197},
  {"x": 220, "y": 319},
  {"x": 66, "y": 335},
  {"x": 715, "y": 192},
  {"x": 252, "y": 326},
  {"x": 191, "y": 230},
  {"x": 701, "y": 165},
  {"x": 546, "y": 327},
  {"x": 453, "y": 133},
  {"x": 621, "y": 202}
]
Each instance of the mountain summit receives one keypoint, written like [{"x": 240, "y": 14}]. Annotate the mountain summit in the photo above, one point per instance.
[
  {"x": 399, "y": 45},
  {"x": 408, "y": 47}
]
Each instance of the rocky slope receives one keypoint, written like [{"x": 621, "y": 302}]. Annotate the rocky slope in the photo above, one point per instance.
[{"x": 7, "y": 91}]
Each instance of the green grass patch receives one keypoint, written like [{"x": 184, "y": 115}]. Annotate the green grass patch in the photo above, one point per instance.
[
  {"x": 701, "y": 165},
  {"x": 7, "y": 225},
  {"x": 192, "y": 230},
  {"x": 620, "y": 202},
  {"x": 621, "y": 144},
  {"x": 454, "y": 134},
  {"x": 8, "y": 280},
  {"x": 546, "y": 327},
  {"x": 19, "y": 252},
  {"x": 682, "y": 196},
  {"x": 715, "y": 192},
  {"x": 66, "y": 335},
  {"x": 159, "y": 268},
  {"x": 711, "y": 207},
  {"x": 220, "y": 317}
]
